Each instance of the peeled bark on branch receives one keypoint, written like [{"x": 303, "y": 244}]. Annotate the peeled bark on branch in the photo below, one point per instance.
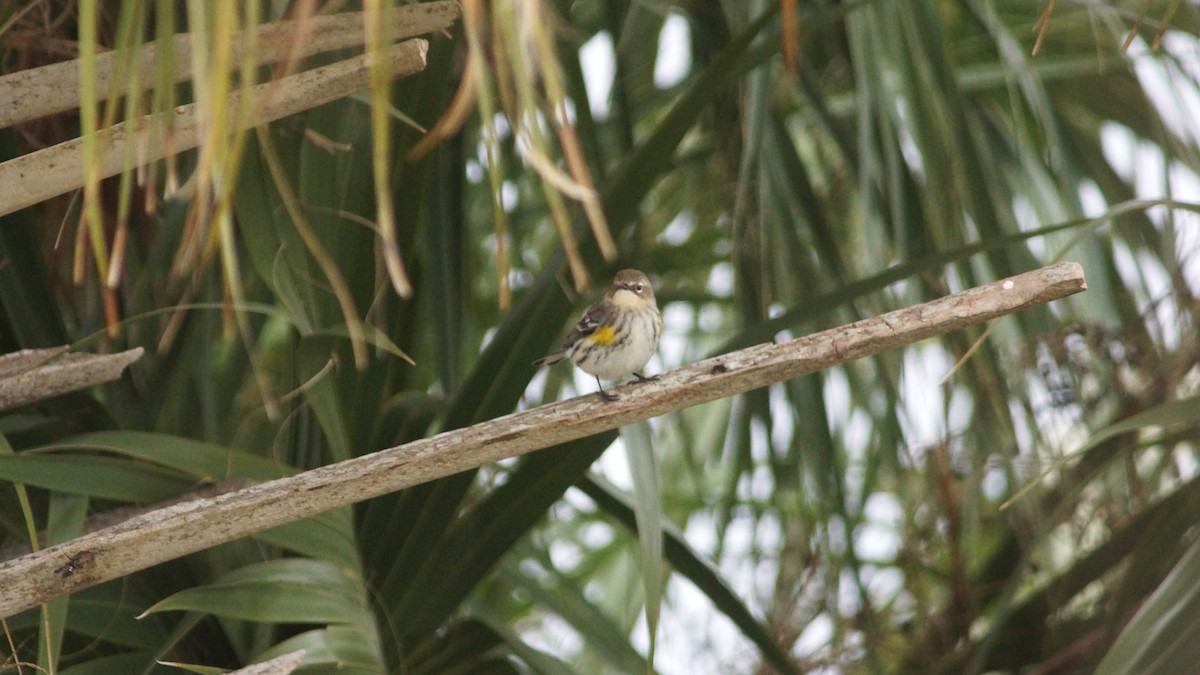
[
  {"x": 173, "y": 531},
  {"x": 34, "y": 374}
]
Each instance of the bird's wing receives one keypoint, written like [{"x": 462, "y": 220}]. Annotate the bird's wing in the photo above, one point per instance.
[{"x": 592, "y": 319}]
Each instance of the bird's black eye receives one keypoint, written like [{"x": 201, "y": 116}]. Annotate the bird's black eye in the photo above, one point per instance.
[{"x": 638, "y": 287}]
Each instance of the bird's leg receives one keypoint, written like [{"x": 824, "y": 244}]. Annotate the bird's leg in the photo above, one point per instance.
[
  {"x": 608, "y": 397},
  {"x": 642, "y": 378}
]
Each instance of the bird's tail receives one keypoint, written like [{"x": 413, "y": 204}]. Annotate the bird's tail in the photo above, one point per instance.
[{"x": 548, "y": 359}]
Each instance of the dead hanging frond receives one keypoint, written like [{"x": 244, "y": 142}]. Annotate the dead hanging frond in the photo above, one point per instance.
[
  {"x": 512, "y": 68},
  {"x": 375, "y": 16}
]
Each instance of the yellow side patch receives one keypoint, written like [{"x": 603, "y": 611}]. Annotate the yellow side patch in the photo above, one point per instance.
[{"x": 604, "y": 335}]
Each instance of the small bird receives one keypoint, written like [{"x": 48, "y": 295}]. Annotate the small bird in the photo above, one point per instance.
[{"x": 617, "y": 335}]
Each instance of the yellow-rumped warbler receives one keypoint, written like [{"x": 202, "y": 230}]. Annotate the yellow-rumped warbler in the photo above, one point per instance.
[{"x": 617, "y": 335}]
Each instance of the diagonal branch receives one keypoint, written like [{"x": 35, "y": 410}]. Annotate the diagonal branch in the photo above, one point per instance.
[{"x": 173, "y": 531}]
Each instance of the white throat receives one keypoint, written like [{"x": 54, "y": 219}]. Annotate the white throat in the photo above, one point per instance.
[{"x": 625, "y": 298}]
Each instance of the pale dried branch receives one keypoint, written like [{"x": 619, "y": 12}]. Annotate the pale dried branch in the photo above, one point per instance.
[
  {"x": 37, "y": 92},
  {"x": 183, "y": 528},
  {"x": 34, "y": 374},
  {"x": 40, "y": 175},
  {"x": 280, "y": 665}
]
